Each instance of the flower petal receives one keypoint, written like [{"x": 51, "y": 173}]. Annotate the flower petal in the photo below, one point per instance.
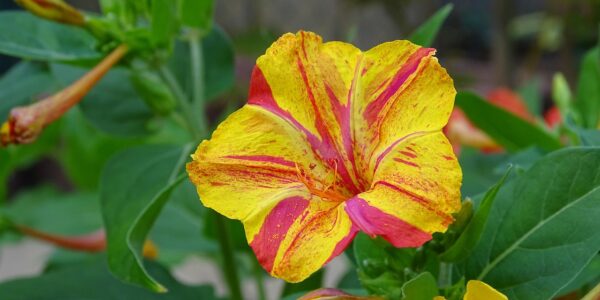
[
  {"x": 480, "y": 290},
  {"x": 406, "y": 94},
  {"x": 257, "y": 168},
  {"x": 415, "y": 190},
  {"x": 297, "y": 238},
  {"x": 307, "y": 83},
  {"x": 254, "y": 159}
]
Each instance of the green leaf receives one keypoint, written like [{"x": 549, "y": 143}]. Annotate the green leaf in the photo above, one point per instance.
[
  {"x": 472, "y": 233},
  {"x": 47, "y": 210},
  {"x": 26, "y": 36},
  {"x": 530, "y": 92},
  {"x": 510, "y": 131},
  {"x": 422, "y": 287},
  {"x": 479, "y": 170},
  {"x": 88, "y": 149},
  {"x": 178, "y": 231},
  {"x": 164, "y": 24},
  {"x": 218, "y": 64},
  {"x": 425, "y": 34},
  {"x": 543, "y": 227},
  {"x": 22, "y": 83},
  {"x": 152, "y": 89},
  {"x": 590, "y": 275},
  {"x": 349, "y": 280},
  {"x": 120, "y": 112},
  {"x": 135, "y": 186},
  {"x": 92, "y": 281},
  {"x": 589, "y": 137},
  {"x": 381, "y": 266},
  {"x": 197, "y": 14},
  {"x": 587, "y": 97}
]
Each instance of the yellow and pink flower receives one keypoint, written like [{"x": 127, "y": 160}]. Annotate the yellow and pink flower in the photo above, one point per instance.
[{"x": 334, "y": 141}]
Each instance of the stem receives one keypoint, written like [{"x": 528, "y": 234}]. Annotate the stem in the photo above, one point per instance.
[
  {"x": 230, "y": 271},
  {"x": 197, "y": 71},
  {"x": 195, "y": 115},
  {"x": 260, "y": 284},
  {"x": 186, "y": 108},
  {"x": 92, "y": 242},
  {"x": 445, "y": 275}
]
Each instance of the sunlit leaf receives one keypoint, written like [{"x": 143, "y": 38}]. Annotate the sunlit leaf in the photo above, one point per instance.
[
  {"x": 422, "y": 287},
  {"x": 135, "y": 186},
  {"x": 542, "y": 229},
  {"x": 472, "y": 233}
]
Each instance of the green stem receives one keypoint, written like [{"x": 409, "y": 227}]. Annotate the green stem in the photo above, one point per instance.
[
  {"x": 182, "y": 100},
  {"x": 197, "y": 71},
  {"x": 199, "y": 110},
  {"x": 230, "y": 270},
  {"x": 445, "y": 275},
  {"x": 195, "y": 115},
  {"x": 260, "y": 284}
]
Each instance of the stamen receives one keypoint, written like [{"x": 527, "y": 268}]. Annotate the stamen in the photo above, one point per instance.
[{"x": 328, "y": 192}]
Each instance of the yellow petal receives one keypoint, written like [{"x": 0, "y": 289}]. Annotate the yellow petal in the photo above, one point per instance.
[
  {"x": 414, "y": 191},
  {"x": 256, "y": 169},
  {"x": 479, "y": 290},
  {"x": 406, "y": 94},
  {"x": 307, "y": 83}
]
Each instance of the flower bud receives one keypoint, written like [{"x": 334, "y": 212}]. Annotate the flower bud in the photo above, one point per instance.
[
  {"x": 26, "y": 123},
  {"x": 55, "y": 10},
  {"x": 91, "y": 242},
  {"x": 153, "y": 91}
]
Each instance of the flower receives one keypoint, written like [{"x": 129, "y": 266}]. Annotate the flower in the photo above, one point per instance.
[
  {"x": 25, "y": 124},
  {"x": 477, "y": 290},
  {"x": 55, "y": 10},
  {"x": 553, "y": 117},
  {"x": 332, "y": 141}
]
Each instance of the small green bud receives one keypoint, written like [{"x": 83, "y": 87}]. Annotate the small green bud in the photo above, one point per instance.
[{"x": 153, "y": 91}]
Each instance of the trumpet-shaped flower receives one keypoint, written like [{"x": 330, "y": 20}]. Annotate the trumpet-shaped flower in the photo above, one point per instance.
[
  {"x": 55, "y": 10},
  {"x": 25, "y": 123},
  {"x": 332, "y": 141}
]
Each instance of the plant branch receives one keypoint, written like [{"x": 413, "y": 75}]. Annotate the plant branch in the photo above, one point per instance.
[
  {"x": 197, "y": 71},
  {"x": 230, "y": 270},
  {"x": 182, "y": 100}
]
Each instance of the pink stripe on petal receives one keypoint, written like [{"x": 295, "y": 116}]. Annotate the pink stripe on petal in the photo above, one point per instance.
[
  {"x": 409, "y": 67},
  {"x": 263, "y": 158},
  {"x": 392, "y": 146},
  {"x": 261, "y": 95},
  {"x": 343, "y": 243},
  {"x": 274, "y": 228},
  {"x": 406, "y": 162},
  {"x": 328, "y": 151},
  {"x": 374, "y": 222}
]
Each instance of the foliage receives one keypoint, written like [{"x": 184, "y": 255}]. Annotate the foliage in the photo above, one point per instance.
[{"x": 531, "y": 231}]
